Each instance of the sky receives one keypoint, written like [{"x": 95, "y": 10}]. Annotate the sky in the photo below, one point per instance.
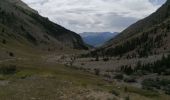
[{"x": 95, "y": 15}]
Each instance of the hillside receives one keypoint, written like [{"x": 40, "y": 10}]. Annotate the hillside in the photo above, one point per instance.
[
  {"x": 21, "y": 26},
  {"x": 148, "y": 36},
  {"x": 97, "y": 39}
]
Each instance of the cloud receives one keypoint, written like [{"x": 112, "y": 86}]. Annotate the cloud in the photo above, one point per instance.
[{"x": 95, "y": 15}]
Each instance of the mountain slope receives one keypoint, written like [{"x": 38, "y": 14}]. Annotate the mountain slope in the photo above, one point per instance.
[
  {"x": 21, "y": 24},
  {"x": 146, "y": 37},
  {"x": 97, "y": 38}
]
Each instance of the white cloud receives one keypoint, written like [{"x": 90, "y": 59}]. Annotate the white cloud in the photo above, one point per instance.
[{"x": 94, "y": 15}]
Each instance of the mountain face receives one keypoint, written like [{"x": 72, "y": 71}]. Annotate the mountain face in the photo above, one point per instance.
[
  {"x": 146, "y": 37},
  {"x": 19, "y": 24},
  {"x": 97, "y": 38}
]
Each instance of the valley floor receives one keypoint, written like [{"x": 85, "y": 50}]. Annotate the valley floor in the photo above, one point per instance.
[{"x": 43, "y": 78}]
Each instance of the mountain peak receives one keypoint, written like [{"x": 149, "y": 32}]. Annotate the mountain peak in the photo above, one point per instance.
[{"x": 23, "y": 5}]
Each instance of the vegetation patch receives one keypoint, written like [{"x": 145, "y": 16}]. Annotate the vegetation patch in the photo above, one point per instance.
[
  {"x": 8, "y": 69},
  {"x": 114, "y": 92},
  {"x": 161, "y": 67},
  {"x": 151, "y": 84},
  {"x": 142, "y": 92}
]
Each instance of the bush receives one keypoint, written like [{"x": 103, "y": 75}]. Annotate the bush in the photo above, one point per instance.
[
  {"x": 97, "y": 58},
  {"x": 3, "y": 30},
  {"x": 119, "y": 76},
  {"x": 130, "y": 80},
  {"x": 162, "y": 84},
  {"x": 11, "y": 54},
  {"x": 107, "y": 76},
  {"x": 127, "y": 98},
  {"x": 97, "y": 72},
  {"x": 167, "y": 89},
  {"x": 105, "y": 59},
  {"x": 125, "y": 89},
  {"x": 115, "y": 93},
  {"x": 4, "y": 41},
  {"x": 149, "y": 84},
  {"x": 127, "y": 69},
  {"x": 10, "y": 69}
]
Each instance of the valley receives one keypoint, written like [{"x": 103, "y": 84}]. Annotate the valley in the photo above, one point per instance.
[{"x": 41, "y": 60}]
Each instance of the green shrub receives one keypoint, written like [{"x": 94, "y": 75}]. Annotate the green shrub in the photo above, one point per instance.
[
  {"x": 3, "y": 30},
  {"x": 142, "y": 92},
  {"x": 107, "y": 76},
  {"x": 11, "y": 54},
  {"x": 97, "y": 72},
  {"x": 118, "y": 76},
  {"x": 105, "y": 59},
  {"x": 4, "y": 41},
  {"x": 162, "y": 84},
  {"x": 10, "y": 69},
  {"x": 130, "y": 79},
  {"x": 127, "y": 98},
  {"x": 114, "y": 92},
  {"x": 167, "y": 89}
]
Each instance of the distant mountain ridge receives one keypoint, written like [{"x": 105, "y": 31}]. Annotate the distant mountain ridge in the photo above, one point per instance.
[{"x": 97, "y": 38}]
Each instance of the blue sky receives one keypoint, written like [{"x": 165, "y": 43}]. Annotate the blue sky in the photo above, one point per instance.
[{"x": 95, "y": 15}]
